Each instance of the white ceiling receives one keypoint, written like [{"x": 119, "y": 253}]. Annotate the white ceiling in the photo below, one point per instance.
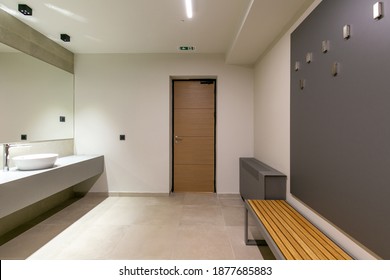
[{"x": 239, "y": 29}]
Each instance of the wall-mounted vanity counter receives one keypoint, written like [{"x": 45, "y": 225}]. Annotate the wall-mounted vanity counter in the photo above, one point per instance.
[{"x": 19, "y": 189}]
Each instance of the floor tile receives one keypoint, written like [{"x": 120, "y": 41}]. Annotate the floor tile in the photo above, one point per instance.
[
  {"x": 242, "y": 251},
  {"x": 200, "y": 215},
  {"x": 234, "y": 216},
  {"x": 142, "y": 242},
  {"x": 180, "y": 226},
  {"x": 202, "y": 242}
]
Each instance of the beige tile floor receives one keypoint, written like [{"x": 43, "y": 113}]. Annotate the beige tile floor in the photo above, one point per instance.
[{"x": 179, "y": 226}]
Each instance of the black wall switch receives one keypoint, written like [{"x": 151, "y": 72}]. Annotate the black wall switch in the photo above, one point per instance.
[
  {"x": 62, "y": 119},
  {"x": 23, "y": 137},
  {"x": 122, "y": 137}
]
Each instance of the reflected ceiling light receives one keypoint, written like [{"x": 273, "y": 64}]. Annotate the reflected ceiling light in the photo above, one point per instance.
[
  {"x": 25, "y": 10},
  {"x": 65, "y": 12},
  {"x": 189, "y": 8},
  {"x": 8, "y": 10},
  {"x": 92, "y": 38}
]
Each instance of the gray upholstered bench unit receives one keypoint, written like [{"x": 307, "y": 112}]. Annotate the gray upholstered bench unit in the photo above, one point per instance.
[{"x": 288, "y": 234}]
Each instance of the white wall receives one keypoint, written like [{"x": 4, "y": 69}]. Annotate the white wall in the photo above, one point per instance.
[
  {"x": 272, "y": 125},
  {"x": 130, "y": 94}
]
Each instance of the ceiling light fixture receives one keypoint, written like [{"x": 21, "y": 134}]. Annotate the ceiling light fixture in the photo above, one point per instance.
[
  {"x": 65, "y": 37},
  {"x": 189, "y": 8},
  {"x": 25, "y": 10}
]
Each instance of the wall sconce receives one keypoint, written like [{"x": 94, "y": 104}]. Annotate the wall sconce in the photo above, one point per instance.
[{"x": 25, "y": 10}]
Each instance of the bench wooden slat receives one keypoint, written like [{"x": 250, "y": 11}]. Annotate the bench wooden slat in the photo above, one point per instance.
[
  {"x": 270, "y": 227},
  {"x": 301, "y": 242},
  {"x": 305, "y": 235},
  {"x": 283, "y": 231},
  {"x": 309, "y": 236},
  {"x": 294, "y": 235},
  {"x": 333, "y": 250}
]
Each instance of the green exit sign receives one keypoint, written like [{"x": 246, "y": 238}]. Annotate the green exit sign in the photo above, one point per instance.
[{"x": 187, "y": 48}]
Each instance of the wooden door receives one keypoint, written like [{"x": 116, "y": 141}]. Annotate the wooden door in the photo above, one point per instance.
[{"x": 194, "y": 136}]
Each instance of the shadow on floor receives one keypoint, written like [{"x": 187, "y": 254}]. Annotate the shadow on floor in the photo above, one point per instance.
[{"x": 13, "y": 234}]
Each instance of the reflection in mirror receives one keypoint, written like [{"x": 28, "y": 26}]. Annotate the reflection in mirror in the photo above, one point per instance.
[{"x": 36, "y": 98}]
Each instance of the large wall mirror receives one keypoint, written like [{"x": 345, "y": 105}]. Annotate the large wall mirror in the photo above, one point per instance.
[{"x": 36, "y": 99}]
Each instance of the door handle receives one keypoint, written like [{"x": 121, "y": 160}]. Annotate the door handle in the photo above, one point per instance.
[{"x": 178, "y": 139}]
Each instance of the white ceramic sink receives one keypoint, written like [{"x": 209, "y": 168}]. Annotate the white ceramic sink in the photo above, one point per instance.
[{"x": 35, "y": 162}]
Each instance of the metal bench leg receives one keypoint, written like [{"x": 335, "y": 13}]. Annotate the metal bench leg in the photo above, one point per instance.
[{"x": 251, "y": 241}]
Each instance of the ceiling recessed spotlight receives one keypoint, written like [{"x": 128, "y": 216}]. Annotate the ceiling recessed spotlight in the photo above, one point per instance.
[
  {"x": 25, "y": 10},
  {"x": 65, "y": 37}
]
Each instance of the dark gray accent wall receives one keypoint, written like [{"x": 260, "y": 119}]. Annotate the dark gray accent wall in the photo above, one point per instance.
[{"x": 340, "y": 125}]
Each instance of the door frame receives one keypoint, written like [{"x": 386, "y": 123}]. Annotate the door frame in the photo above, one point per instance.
[{"x": 171, "y": 127}]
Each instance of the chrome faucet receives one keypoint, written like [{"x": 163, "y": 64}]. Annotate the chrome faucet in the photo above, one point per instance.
[
  {"x": 6, "y": 156},
  {"x": 7, "y": 147}
]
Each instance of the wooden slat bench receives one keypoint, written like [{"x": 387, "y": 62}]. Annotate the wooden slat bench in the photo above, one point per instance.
[{"x": 289, "y": 235}]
